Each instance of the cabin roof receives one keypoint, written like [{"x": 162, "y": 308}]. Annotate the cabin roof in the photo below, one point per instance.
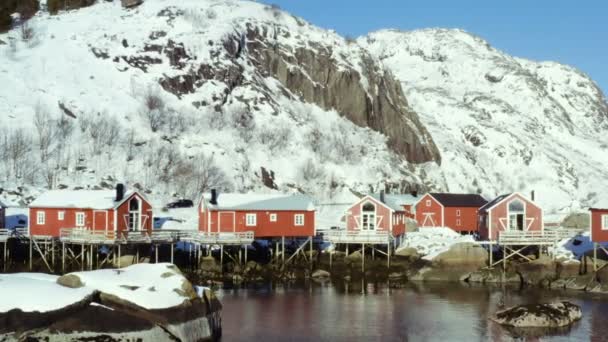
[
  {"x": 278, "y": 202},
  {"x": 85, "y": 199},
  {"x": 459, "y": 200},
  {"x": 495, "y": 201},
  {"x": 396, "y": 201}
]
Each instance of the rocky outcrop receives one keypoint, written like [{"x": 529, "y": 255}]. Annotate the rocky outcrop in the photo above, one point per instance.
[
  {"x": 551, "y": 315},
  {"x": 466, "y": 254},
  {"x": 366, "y": 94},
  {"x": 55, "y": 6}
]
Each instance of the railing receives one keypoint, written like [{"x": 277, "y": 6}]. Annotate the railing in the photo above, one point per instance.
[
  {"x": 83, "y": 235},
  {"x": 5, "y": 234},
  {"x": 216, "y": 238},
  {"x": 357, "y": 236},
  {"x": 536, "y": 237}
]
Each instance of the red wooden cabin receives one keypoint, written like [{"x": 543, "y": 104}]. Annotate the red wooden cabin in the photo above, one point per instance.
[
  {"x": 380, "y": 213},
  {"x": 599, "y": 224},
  {"x": 268, "y": 216},
  {"x": 509, "y": 212},
  {"x": 106, "y": 210},
  {"x": 456, "y": 211}
]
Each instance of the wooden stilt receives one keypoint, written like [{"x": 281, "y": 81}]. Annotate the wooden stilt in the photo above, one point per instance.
[
  {"x": 311, "y": 264},
  {"x": 246, "y": 248},
  {"x": 31, "y": 252},
  {"x": 490, "y": 250},
  {"x": 363, "y": 258},
  {"x": 83, "y": 252},
  {"x": 241, "y": 255},
  {"x": 594, "y": 256},
  {"x": 347, "y": 250},
  {"x": 63, "y": 257},
  {"x": 137, "y": 254},
  {"x": 388, "y": 255},
  {"x": 331, "y": 253},
  {"x": 374, "y": 252},
  {"x": 172, "y": 253},
  {"x": 156, "y": 254},
  {"x": 53, "y": 253},
  {"x": 283, "y": 250},
  {"x": 222, "y": 257},
  {"x": 504, "y": 259},
  {"x": 276, "y": 252},
  {"x": 118, "y": 263},
  {"x": 91, "y": 259}
]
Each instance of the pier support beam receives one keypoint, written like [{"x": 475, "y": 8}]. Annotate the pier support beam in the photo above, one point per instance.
[
  {"x": 594, "y": 256},
  {"x": 388, "y": 255},
  {"x": 31, "y": 252},
  {"x": 156, "y": 254},
  {"x": 222, "y": 257},
  {"x": 283, "y": 250},
  {"x": 172, "y": 253},
  {"x": 118, "y": 264},
  {"x": 363, "y": 259}
]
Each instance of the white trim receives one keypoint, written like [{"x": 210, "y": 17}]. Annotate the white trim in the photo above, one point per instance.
[
  {"x": 458, "y": 213},
  {"x": 247, "y": 223},
  {"x": 361, "y": 215},
  {"x": 525, "y": 218},
  {"x": 427, "y": 203},
  {"x": 604, "y": 222},
  {"x": 489, "y": 225},
  {"x": 272, "y": 217},
  {"x": 526, "y": 199},
  {"x": 295, "y": 220},
  {"x": 84, "y": 219},
  {"x": 40, "y": 217},
  {"x": 61, "y": 215},
  {"x": 139, "y": 212},
  {"x": 458, "y": 222},
  {"x": 426, "y": 217}
]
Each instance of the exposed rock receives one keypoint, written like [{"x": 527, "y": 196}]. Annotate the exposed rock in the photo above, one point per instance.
[
  {"x": 463, "y": 254},
  {"x": 313, "y": 74},
  {"x": 320, "y": 275},
  {"x": 125, "y": 260},
  {"x": 55, "y": 6},
  {"x": 70, "y": 280},
  {"x": 492, "y": 276},
  {"x": 408, "y": 252},
  {"x": 538, "y": 272},
  {"x": 354, "y": 256},
  {"x": 268, "y": 178},
  {"x": 539, "y": 315},
  {"x": 131, "y": 3},
  {"x": 576, "y": 221},
  {"x": 209, "y": 264}
]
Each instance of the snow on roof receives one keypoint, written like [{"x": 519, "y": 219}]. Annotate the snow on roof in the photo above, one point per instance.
[
  {"x": 29, "y": 292},
  {"x": 397, "y": 201},
  {"x": 3, "y": 203},
  {"x": 260, "y": 202},
  {"x": 89, "y": 199}
]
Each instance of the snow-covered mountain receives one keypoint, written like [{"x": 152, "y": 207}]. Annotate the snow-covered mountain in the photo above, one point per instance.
[
  {"x": 176, "y": 96},
  {"x": 502, "y": 123}
]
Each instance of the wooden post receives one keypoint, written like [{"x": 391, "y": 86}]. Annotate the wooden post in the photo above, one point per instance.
[
  {"x": 283, "y": 250},
  {"x": 504, "y": 260},
  {"x": 63, "y": 257},
  {"x": 594, "y": 256},
  {"x": 82, "y": 252},
  {"x": 53, "y": 253},
  {"x": 222, "y": 258},
  {"x": 363, "y": 258},
  {"x": 91, "y": 259},
  {"x": 156, "y": 254},
  {"x": 491, "y": 254},
  {"x": 276, "y": 251},
  {"x": 388, "y": 255},
  {"x": 118, "y": 263},
  {"x": 330, "y": 257},
  {"x": 246, "y": 248},
  {"x": 31, "y": 251},
  {"x": 347, "y": 249},
  {"x": 241, "y": 255},
  {"x": 137, "y": 254},
  {"x": 5, "y": 256},
  {"x": 172, "y": 252},
  {"x": 374, "y": 252},
  {"x": 311, "y": 253}
]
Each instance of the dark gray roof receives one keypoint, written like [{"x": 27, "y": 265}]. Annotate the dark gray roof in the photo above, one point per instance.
[
  {"x": 459, "y": 200},
  {"x": 494, "y": 201}
]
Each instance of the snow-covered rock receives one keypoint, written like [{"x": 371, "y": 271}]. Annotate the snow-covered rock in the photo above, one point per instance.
[
  {"x": 431, "y": 242},
  {"x": 501, "y": 123}
]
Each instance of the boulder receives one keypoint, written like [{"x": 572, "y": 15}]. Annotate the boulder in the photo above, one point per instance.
[
  {"x": 464, "y": 253},
  {"x": 131, "y": 3},
  {"x": 541, "y": 271},
  {"x": 409, "y": 252},
  {"x": 320, "y": 274},
  {"x": 354, "y": 256},
  {"x": 70, "y": 280},
  {"x": 209, "y": 264},
  {"x": 551, "y": 315},
  {"x": 492, "y": 276},
  {"x": 125, "y": 260}
]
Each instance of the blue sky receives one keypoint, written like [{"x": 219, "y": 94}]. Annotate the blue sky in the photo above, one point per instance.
[{"x": 569, "y": 32}]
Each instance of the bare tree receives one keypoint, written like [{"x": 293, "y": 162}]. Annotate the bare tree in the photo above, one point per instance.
[
  {"x": 275, "y": 138},
  {"x": 153, "y": 109},
  {"x": 19, "y": 149},
  {"x": 310, "y": 171},
  {"x": 46, "y": 133}
]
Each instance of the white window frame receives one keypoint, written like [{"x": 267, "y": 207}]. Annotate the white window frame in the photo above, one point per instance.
[
  {"x": 40, "y": 217},
  {"x": 251, "y": 219},
  {"x": 80, "y": 216},
  {"x": 298, "y": 219},
  {"x": 458, "y": 222},
  {"x": 458, "y": 212},
  {"x": 604, "y": 221},
  {"x": 61, "y": 215},
  {"x": 273, "y": 217},
  {"x": 428, "y": 203}
]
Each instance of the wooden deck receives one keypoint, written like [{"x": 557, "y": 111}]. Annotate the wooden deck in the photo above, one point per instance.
[
  {"x": 357, "y": 237},
  {"x": 536, "y": 238},
  {"x": 6, "y": 234},
  {"x": 101, "y": 237}
]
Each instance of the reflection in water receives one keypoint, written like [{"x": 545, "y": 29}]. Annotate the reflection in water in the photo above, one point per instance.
[{"x": 361, "y": 311}]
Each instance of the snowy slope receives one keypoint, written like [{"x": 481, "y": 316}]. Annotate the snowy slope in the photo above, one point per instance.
[
  {"x": 220, "y": 119},
  {"x": 502, "y": 123}
]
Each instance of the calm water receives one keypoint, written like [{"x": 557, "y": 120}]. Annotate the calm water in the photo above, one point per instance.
[{"x": 443, "y": 312}]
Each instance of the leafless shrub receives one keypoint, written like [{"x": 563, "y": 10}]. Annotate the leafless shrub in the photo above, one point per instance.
[
  {"x": 153, "y": 109},
  {"x": 18, "y": 151},
  {"x": 315, "y": 139},
  {"x": 27, "y": 32},
  {"x": 46, "y": 132},
  {"x": 341, "y": 141},
  {"x": 309, "y": 171},
  {"x": 216, "y": 120},
  {"x": 244, "y": 123},
  {"x": 275, "y": 138},
  {"x": 103, "y": 129}
]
